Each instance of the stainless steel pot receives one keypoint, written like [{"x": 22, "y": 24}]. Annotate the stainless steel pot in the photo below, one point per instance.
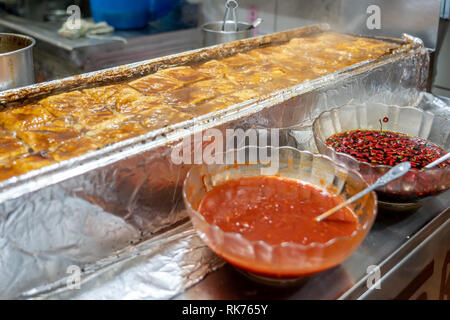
[
  {"x": 213, "y": 33},
  {"x": 16, "y": 61}
]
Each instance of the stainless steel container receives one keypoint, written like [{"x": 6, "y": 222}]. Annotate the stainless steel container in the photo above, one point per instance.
[
  {"x": 16, "y": 61},
  {"x": 213, "y": 33}
]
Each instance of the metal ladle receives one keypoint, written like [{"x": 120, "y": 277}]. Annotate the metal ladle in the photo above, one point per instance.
[
  {"x": 395, "y": 173},
  {"x": 230, "y": 9}
]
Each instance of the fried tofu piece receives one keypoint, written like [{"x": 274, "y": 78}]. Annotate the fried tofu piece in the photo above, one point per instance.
[
  {"x": 10, "y": 146},
  {"x": 73, "y": 148},
  {"x": 216, "y": 86},
  {"x": 24, "y": 118},
  {"x": 168, "y": 79},
  {"x": 270, "y": 53},
  {"x": 249, "y": 77},
  {"x": 273, "y": 69},
  {"x": 48, "y": 137},
  {"x": 114, "y": 96},
  {"x": 184, "y": 74},
  {"x": 118, "y": 133},
  {"x": 160, "y": 117},
  {"x": 80, "y": 110},
  {"x": 155, "y": 83},
  {"x": 240, "y": 61},
  {"x": 244, "y": 95},
  {"x": 222, "y": 102},
  {"x": 141, "y": 105},
  {"x": 212, "y": 105},
  {"x": 213, "y": 68},
  {"x": 22, "y": 165},
  {"x": 99, "y": 119},
  {"x": 187, "y": 97},
  {"x": 70, "y": 105}
]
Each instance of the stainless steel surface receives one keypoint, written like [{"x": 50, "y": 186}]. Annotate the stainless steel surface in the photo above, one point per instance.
[
  {"x": 50, "y": 219},
  {"x": 16, "y": 61},
  {"x": 417, "y": 270},
  {"x": 213, "y": 33},
  {"x": 445, "y": 9},
  {"x": 87, "y": 54},
  {"x": 388, "y": 244}
]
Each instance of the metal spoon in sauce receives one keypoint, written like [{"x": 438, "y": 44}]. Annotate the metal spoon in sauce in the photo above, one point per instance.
[
  {"x": 438, "y": 161},
  {"x": 255, "y": 23},
  {"x": 394, "y": 173}
]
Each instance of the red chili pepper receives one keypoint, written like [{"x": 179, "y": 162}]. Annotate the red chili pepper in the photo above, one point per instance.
[{"x": 386, "y": 147}]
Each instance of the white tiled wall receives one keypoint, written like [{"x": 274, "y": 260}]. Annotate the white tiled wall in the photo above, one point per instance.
[{"x": 277, "y": 15}]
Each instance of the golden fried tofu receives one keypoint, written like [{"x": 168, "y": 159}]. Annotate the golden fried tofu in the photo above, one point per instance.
[
  {"x": 212, "y": 105},
  {"x": 114, "y": 96},
  {"x": 187, "y": 97},
  {"x": 48, "y": 137},
  {"x": 240, "y": 61},
  {"x": 116, "y": 134},
  {"x": 155, "y": 83},
  {"x": 24, "y": 164},
  {"x": 98, "y": 119},
  {"x": 249, "y": 77},
  {"x": 70, "y": 105},
  {"x": 244, "y": 95},
  {"x": 270, "y": 53},
  {"x": 67, "y": 125},
  {"x": 160, "y": 117},
  {"x": 141, "y": 105},
  {"x": 24, "y": 118},
  {"x": 73, "y": 148},
  {"x": 184, "y": 74},
  {"x": 10, "y": 146},
  {"x": 216, "y": 86},
  {"x": 213, "y": 68},
  {"x": 300, "y": 46}
]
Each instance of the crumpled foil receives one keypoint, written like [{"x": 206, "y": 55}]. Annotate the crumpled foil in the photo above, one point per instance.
[{"x": 120, "y": 219}]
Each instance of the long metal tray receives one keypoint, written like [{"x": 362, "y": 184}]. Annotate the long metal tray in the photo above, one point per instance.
[{"x": 88, "y": 208}]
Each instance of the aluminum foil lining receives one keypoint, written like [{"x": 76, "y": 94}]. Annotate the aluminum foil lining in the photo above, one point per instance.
[{"x": 120, "y": 221}]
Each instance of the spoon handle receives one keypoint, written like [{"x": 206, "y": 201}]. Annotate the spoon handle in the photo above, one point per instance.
[
  {"x": 436, "y": 162},
  {"x": 394, "y": 173}
]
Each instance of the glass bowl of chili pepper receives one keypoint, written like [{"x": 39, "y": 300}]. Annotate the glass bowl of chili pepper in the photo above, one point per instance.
[
  {"x": 258, "y": 214},
  {"x": 371, "y": 138}
]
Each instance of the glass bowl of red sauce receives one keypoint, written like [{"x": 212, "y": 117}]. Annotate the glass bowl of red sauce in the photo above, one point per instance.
[
  {"x": 372, "y": 138},
  {"x": 260, "y": 217}
]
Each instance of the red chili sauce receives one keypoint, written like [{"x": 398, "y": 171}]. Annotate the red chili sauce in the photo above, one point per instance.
[
  {"x": 387, "y": 148},
  {"x": 276, "y": 210}
]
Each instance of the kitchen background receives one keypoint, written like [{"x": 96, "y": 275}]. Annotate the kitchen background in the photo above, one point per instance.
[{"x": 174, "y": 27}]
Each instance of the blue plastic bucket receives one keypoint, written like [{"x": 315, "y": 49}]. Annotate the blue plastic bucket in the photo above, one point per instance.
[
  {"x": 121, "y": 14},
  {"x": 160, "y": 8}
]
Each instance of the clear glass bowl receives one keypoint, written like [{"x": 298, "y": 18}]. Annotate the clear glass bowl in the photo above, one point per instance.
[
  {"x": 415, "y": 122},
  {"x": 287, "y": 260}
]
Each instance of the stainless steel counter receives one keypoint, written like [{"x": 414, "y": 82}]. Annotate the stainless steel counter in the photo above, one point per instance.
[
  {"x": 58, "y": 57},
  {"x": 393, "y": 237}
]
